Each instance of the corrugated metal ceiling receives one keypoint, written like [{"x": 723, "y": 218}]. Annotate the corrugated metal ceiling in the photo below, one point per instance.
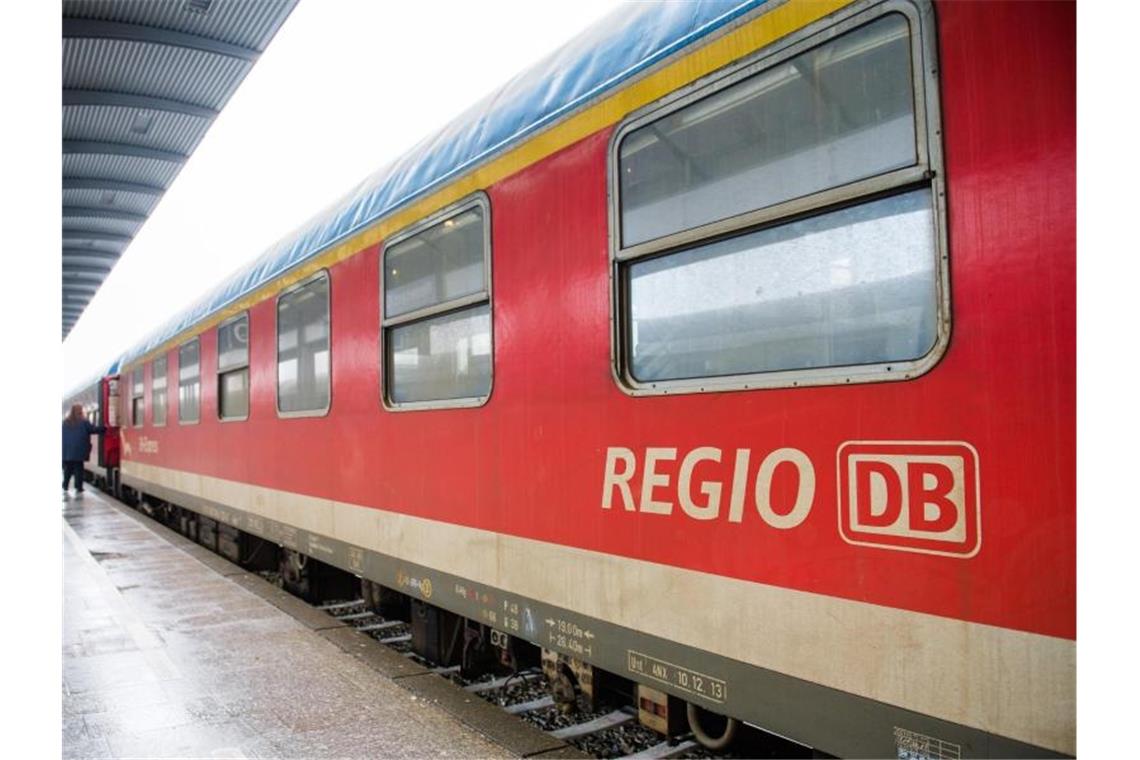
[{"x": 142, "y": 82}]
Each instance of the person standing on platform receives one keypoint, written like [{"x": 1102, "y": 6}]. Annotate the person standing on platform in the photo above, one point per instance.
[{"x": 77, "y": 432}]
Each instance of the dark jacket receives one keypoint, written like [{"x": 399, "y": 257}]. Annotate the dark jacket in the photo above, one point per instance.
[{"x": 77, "y": 439}]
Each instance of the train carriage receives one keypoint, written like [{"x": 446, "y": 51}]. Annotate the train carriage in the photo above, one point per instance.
[{"x": 730, "y": 350}]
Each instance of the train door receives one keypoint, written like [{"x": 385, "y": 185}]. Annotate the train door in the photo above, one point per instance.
[{"x": 109, "y": 412}]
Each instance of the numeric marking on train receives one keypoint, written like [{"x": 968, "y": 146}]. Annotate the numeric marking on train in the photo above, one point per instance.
[{"x": 685, "y": 679}]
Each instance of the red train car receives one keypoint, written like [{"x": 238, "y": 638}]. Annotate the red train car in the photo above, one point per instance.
[{"x": 747, "y": 375}]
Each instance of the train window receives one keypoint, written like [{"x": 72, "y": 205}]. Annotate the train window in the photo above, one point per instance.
[
  {"x": 189, "y": 382},
  {"x": 158, "y": 391},
  {"x": 137, "y": 397},
  {"x": 233, "y": 369},
  {"x": 437, "y": 310},
  {"x": 781, "y": 225},
  {"x": 303, "y": 348}
]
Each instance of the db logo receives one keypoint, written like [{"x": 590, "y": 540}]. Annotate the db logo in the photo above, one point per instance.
[{"x": 917, "y": 497}]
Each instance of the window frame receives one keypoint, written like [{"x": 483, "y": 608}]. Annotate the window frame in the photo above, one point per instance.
[
  {"x": 318, "y": 275},
  {"x": 138, "y": 418},
  {"x": 926, "y": 172},
  {"x": 165, "y": 390},
  {"x": 219, "y": 372},
  {"x": 478, "y": 198},
  {"x": 198, "y": 411}
]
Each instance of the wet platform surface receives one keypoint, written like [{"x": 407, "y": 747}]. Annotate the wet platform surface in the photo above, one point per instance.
[{"x": 168, "y": 655}]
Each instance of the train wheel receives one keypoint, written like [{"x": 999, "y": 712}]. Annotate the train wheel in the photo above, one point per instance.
[
  {"x": 713, "y": 731},
  {"x": 564, "y": 690},
  {"x": 294, "y": 571}
]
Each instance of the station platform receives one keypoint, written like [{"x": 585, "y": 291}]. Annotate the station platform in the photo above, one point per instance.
[{"x": 171, "y": 651}]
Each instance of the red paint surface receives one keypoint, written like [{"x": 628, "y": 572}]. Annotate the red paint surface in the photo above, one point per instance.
[{"x": 530, "y": 462}]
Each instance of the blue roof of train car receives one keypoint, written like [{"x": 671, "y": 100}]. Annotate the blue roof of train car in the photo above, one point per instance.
[{"x": 610, "y": 52}]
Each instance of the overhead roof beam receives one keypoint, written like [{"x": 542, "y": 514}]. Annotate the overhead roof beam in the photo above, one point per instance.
[
  {"x": 84, "y": 272},
  {"x": 116, "y": 99},
  {"x": 107, "y": 266},
  {"x": 90, "y": 253},
  {"x": 73, "y": 277},
  {"x": 102, "y": 213},
  {"x": 85, "y": 290},
  {"x": 77, "y": 270},
  {"x": 102, "y": 261},
  {"x": 122, "y": 149},
  {"x": 107, "y": 237},
  {"x": 115, "y": 30},
  {"x": 69, "y": 266},
  {"x": 98, "y": 183}
]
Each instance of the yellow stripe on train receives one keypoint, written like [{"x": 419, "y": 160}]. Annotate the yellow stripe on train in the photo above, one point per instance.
[{"x": 721, "y": 51}]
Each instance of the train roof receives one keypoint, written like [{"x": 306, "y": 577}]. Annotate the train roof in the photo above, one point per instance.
[{"x": 609, "y": 53}]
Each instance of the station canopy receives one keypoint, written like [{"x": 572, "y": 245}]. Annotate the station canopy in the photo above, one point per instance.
[{"x": 143, "y": 81}]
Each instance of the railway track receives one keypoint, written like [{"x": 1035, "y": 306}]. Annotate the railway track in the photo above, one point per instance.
[
  {"x": 608, "y": 730},
  {"x": 602, "y": 724}
]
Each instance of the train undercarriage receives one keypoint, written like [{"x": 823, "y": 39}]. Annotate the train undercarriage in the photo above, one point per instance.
[{"x": 471, "y": 649}]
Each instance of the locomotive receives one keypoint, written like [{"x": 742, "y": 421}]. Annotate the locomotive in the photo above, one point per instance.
[{"x": 729, "y": 351}]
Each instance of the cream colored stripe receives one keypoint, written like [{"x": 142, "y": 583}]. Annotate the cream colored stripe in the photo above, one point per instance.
[{"x": 1015, "y": 684}]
